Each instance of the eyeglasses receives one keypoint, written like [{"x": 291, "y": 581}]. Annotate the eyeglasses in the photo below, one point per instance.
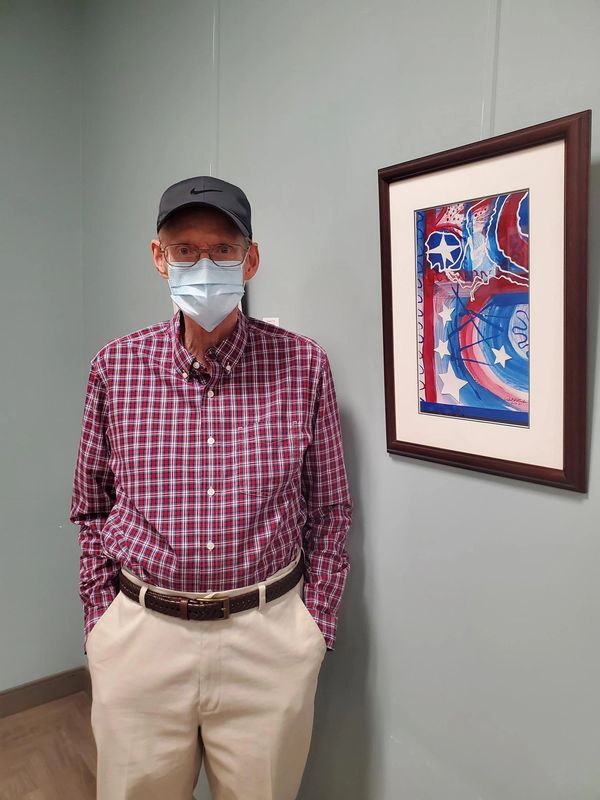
[{"x": 225, "y": 256}]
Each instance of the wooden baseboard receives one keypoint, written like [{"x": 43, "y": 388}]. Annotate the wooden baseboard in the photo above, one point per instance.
[{"x": 43, "y": 690}]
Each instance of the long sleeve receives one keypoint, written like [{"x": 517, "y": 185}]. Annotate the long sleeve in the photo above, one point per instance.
[
  {"x": 329, "y": 510},
  {"x": 92, "y": 499}
]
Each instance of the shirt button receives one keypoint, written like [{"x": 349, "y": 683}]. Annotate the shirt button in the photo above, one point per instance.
[
  {"x": 211, "y": 491},
  {"x": 228, "y": 367},
  {"x": 210, "y": 393},
  {"x": 196, "y": 365},
  {"x": 184, "y": 373},
  {"x": 210, "y": 440},
  {"x": 210, "y": 545}
]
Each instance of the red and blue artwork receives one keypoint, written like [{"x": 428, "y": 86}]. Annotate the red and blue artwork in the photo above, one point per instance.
[{"x": 473, "y": 308}]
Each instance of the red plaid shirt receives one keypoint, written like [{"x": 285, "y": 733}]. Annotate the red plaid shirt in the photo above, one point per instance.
[{"x": 209, "y": 480}]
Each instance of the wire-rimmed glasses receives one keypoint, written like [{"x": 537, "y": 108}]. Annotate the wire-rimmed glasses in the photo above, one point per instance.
[{"x": 225, "y": 256}]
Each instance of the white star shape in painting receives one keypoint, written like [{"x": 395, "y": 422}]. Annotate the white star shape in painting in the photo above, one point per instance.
[
  {"x": 452, "y": 383},
  {"x": 442, "y": 348},
  {"x": 445, "y": 250},
  {"x": 446, "y": 313},
  {"x": 501, "y": 356}
]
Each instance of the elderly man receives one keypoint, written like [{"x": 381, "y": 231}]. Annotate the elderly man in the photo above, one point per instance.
[{"x": 213, "y": 505}]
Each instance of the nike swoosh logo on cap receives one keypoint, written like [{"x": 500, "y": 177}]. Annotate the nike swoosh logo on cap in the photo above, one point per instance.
[{"x": 201, "y": 191}]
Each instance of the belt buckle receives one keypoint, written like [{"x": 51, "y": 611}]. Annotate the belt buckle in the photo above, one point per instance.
[{"x": 223, "y": 600}]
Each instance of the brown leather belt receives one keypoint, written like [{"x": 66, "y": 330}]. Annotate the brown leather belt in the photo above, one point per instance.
[{"x": 210, "y": 607}]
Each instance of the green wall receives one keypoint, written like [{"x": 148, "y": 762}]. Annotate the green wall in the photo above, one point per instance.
[{"x": 41, "y": 335}]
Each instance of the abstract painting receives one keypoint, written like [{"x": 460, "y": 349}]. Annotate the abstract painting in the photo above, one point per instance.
[
  {"x": 472, "y": 279},
  {"x": 484, "y": 304}
]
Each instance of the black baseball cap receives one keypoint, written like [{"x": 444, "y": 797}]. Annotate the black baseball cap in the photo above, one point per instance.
[{"x": 206, "y": 191}]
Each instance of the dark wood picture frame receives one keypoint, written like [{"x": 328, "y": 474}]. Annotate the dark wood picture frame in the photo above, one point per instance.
[{"x": 575, "y": 130}]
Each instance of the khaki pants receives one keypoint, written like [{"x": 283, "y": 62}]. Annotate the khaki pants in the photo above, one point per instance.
[{"x": 238, "y": 693}]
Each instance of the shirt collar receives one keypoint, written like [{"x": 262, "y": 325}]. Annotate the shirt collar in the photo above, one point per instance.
[{"x": 226, "y": 353}]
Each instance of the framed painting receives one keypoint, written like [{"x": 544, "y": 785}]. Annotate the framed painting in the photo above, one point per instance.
[{"x": 484, "y": 300}]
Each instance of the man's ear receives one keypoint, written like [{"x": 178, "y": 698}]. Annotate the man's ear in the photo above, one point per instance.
[
  {"x": 158, "y": 258},
  {"x": 252, "y": 262}
]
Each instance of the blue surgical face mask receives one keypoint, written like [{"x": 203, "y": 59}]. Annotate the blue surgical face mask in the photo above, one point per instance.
[{"x": 205, "y": 292}]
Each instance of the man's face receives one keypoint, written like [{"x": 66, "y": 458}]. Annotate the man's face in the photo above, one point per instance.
[{"x": 202, "y": 226}]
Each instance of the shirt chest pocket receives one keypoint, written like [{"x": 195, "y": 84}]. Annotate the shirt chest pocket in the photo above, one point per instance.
[{"x": 268, "y": 455}]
